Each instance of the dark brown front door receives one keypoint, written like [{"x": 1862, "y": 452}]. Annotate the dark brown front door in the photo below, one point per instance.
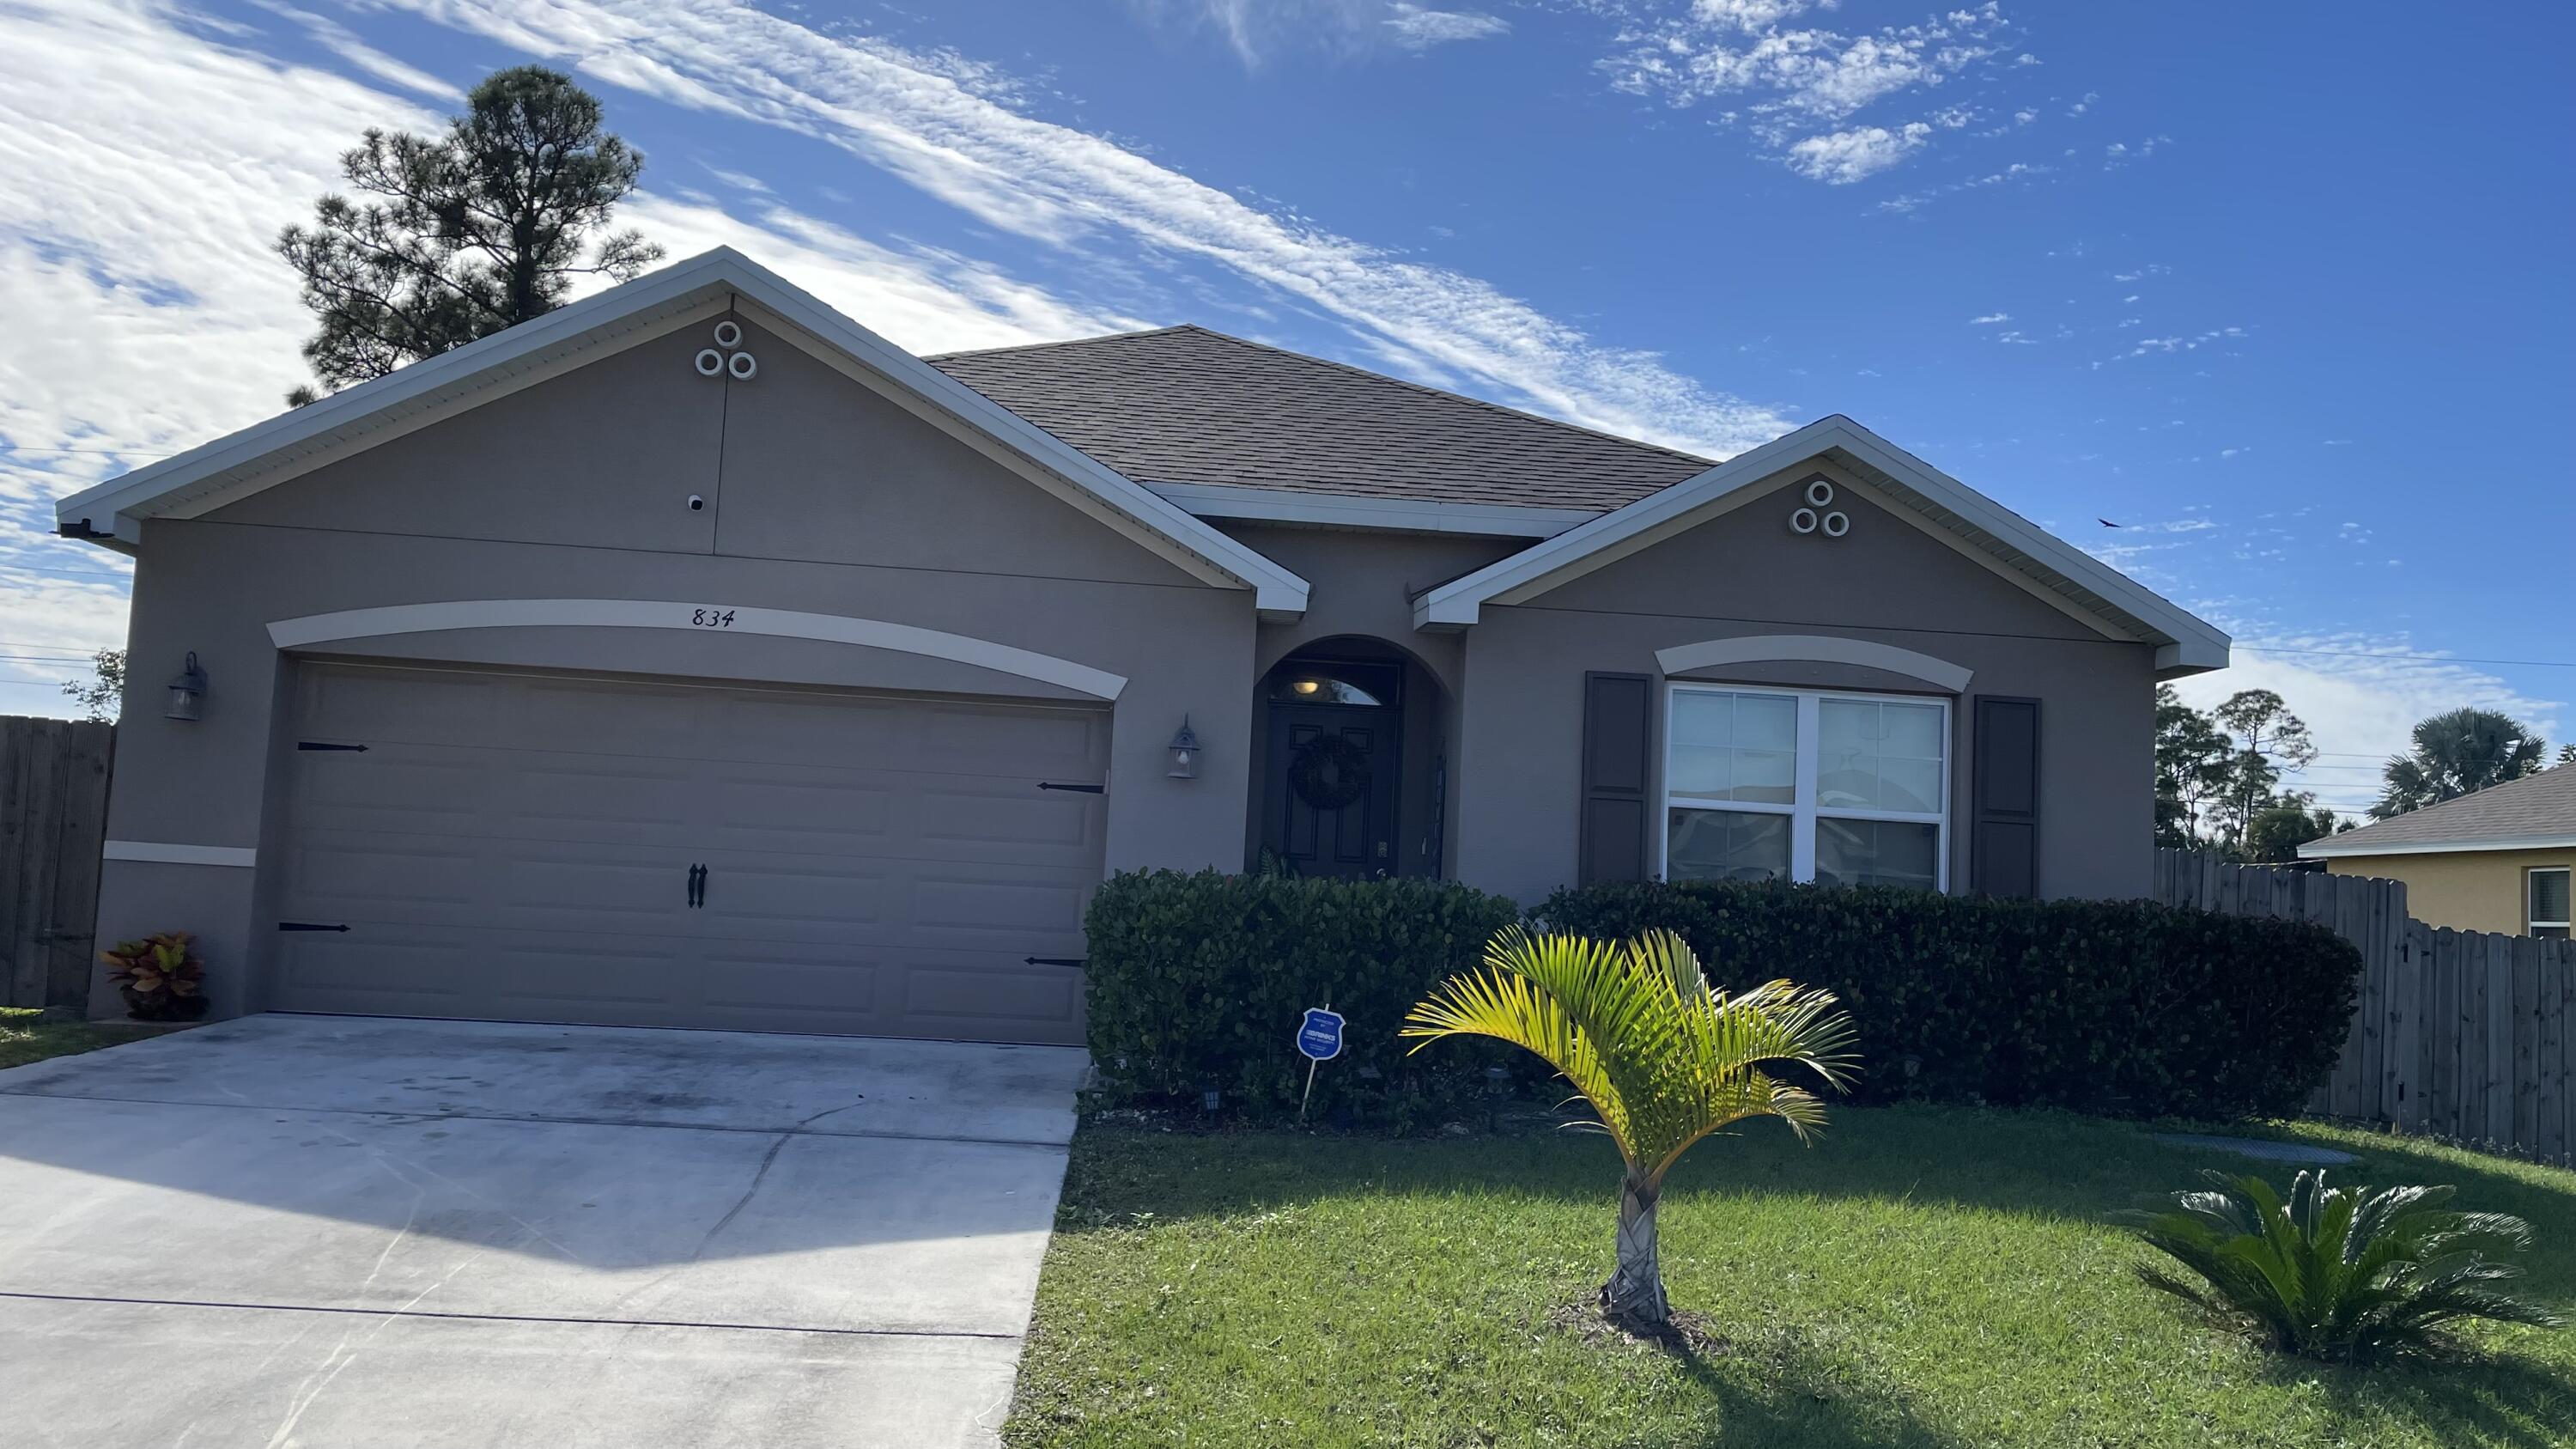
[{"x": 1332, "y": 786}]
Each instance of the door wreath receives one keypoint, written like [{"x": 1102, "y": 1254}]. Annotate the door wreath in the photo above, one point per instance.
[{"x": 1329, "y": 772}]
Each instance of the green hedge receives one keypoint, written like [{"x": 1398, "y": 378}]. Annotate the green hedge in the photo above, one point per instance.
[
  {"x": 2119, "y": 1007},
  {"x": 1200, "y": 981}
]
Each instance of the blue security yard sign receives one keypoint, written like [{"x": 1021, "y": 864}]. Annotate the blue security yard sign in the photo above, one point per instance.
[{"x": 1320, "y": 1037}]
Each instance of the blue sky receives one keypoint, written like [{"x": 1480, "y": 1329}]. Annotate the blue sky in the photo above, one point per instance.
[{"x": 2274, "y": 286}]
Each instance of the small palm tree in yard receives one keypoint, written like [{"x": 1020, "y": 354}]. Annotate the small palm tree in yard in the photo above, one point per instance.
[
  {"x": 2344, "y": 1274},
  {"x": 1664, "y": 1058}
]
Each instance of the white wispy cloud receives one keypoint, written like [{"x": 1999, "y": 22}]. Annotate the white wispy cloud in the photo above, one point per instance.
[
  {"x": 1842, "y": 157},
  {"x": 1418, "y": 29},
  {"x": 1989, "y": 318},
  {"x": 1256, "y": 30},
  {"x": 1805, "y": 79},
  {"x": 946, "y": 131}
]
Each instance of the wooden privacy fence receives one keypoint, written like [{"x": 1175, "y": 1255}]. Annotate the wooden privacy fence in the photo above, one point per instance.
[
  {"x": 53, "y": 824},
  {"x": 2464, "y": 1033}
]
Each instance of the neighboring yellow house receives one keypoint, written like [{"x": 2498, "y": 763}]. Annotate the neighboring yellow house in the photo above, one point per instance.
[{"x": 2497, "y": 860}]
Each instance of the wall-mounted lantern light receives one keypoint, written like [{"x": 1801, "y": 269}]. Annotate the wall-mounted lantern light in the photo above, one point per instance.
[
  {"x": 188, "y": 692},
  {"x": 1185, "y": 752}
]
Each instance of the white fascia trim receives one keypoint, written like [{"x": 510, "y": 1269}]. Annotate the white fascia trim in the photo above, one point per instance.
[
  {"x": 1818, "y": 648},
  {"x": 2193, "y": 643},
  {"x": 314, "y": 629},
  {"x": 161, "y": 852},
  {"x": 1342, "y": 510},
  {"x": 2332, "y": 849},
  {"x": 1197, "y": 547}
]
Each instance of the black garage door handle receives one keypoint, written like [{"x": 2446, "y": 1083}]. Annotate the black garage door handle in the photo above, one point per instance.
[
  {"x": 307, "y": 926},
  {"x": 1077, "y": 789},
  {"x": 1052, "y": 960}
]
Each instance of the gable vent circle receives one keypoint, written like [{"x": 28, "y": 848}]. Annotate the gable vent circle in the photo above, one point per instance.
[
  {"x": 711, "y": 363},
  {"x": 1837, "y": 523},
  {"x": 743, "y": 366},
  {"x": 1803, "y": 521},
  {"x": 728, "y": 334},
  {"x": 1819, "y": 492}
]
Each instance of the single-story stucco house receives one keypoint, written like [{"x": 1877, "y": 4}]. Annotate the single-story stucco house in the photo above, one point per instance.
[
  {"x": 2497, "y": 859},
  {"x": 692, "y": 656}
]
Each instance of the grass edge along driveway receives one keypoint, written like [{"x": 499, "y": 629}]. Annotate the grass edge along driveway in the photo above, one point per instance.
[{"x": 1922, "y": 1277}]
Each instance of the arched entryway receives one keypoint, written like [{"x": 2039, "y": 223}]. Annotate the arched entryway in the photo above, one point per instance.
[{"x": 1351, "y": 763}]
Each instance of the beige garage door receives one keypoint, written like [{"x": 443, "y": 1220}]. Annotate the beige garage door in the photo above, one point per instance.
[{"x": 524, "y": 848}]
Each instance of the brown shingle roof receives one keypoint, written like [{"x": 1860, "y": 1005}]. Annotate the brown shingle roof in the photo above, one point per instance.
[
  {"x": 1186, "y": 405},
  {"x": 2534, "y": 807}
]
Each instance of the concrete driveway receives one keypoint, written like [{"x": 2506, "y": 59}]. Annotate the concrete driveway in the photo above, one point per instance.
[{"x": 303, "y": 1230}]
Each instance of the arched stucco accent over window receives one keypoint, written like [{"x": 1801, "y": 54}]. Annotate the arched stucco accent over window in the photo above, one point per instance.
[
  {"x": 695, "y": 618},
  {"x": 1814, "y": 648}
]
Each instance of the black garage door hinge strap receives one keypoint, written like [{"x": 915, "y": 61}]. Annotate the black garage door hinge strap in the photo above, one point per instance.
[
  {"x": 1052, "y": 960},
  {"x": 307, "y": 926},
  {"x": 327, "y": 745},
  {"x": 1078, "y": 789}
]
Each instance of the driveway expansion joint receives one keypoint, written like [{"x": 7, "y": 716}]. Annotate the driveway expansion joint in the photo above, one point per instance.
[
  {"x": 567, "y": 1319},
  {"x": 793, "y": 1130}
]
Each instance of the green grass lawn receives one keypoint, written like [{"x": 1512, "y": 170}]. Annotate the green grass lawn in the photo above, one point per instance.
[
  {"x": 1920, "y": 1277},
  {"x": 24, "y": 1038}
]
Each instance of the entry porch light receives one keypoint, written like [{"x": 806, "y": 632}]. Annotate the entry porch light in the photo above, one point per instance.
[
  {"x": 1185, "y": 752},
  {"x": 188, "y": 692}
]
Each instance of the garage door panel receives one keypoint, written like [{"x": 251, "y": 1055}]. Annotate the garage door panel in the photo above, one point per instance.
[
  {"x": 875, "y": 864},
  {"x": 344, "y": 872},
  {"x": 1048, "y": 744},
  {"x": 954, "y": 997},
  {"x": 794, "y": 897},
  {"x": 841, "y": 989},
  {"x": 963, "y": 908},
  {"x": 389, "y": 792}
]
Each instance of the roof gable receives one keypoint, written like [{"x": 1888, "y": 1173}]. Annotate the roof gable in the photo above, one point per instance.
[
  {"x": 2532, "y": 812},
  {"x": 1189, "y": 407},
  {"x": 267, "y": 453},
  {"x": 2022, "y": 552}
]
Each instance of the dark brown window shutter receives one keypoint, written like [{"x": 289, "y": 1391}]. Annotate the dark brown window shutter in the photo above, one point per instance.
[
  {"x": 2004, "y": 851},
  {"x": 1618, "y": 761}
]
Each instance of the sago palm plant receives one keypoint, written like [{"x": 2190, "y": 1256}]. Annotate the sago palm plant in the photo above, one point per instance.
[
  {"x": 1664, "y": 1058},
  {"x": 2343, "y": 1273}
]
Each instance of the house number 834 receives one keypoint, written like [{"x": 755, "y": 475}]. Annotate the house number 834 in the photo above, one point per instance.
[{"x": 711, "y": 618}]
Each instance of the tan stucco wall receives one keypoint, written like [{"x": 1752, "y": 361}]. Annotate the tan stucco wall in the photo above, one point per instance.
[{"x": 2469, "y": 890}]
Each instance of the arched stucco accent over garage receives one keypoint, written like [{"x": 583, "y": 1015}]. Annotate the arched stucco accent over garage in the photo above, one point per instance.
[
  {"x": 675, "y": 614},
  {"x": 1815, "y": 648}
]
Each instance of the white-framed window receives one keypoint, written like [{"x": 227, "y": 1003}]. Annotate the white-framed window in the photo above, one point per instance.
[
  {"x": 2544, "y": 897},
  {"x": 1805, "y": 785}
]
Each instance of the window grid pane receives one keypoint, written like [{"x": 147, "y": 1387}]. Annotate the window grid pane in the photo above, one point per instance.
[
  {"x": 1839, "y": 789},
  {"x": 2546, "y": 893}
]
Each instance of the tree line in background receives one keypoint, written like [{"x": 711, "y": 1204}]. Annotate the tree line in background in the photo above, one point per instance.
[{"x": 2219, "y": 772}]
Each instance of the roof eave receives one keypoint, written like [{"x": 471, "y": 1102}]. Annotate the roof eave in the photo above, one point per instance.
[
  {"x": 354, "y": 415},
  {"x": 2342, "y": 847},
  {"x": 2185, "y": 644}
]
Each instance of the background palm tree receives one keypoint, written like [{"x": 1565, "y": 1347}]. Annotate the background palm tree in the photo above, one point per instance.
[
  {"x": 1664, "y": 1058},
  {"x": 2455, "y": 753}
]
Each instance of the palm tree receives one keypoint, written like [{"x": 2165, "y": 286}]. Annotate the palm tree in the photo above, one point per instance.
[
  {"x": 2455, "y": 753},
  {"x": 1664, "y": 1058}
]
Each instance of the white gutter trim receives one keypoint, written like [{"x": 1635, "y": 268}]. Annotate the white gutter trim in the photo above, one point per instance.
[
  {"x": 1343, "y": 510},
  {"x": 2331, "y": 848},
  {"x": 675, "y": 614},
  {"x": 162, "y": 852}
]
